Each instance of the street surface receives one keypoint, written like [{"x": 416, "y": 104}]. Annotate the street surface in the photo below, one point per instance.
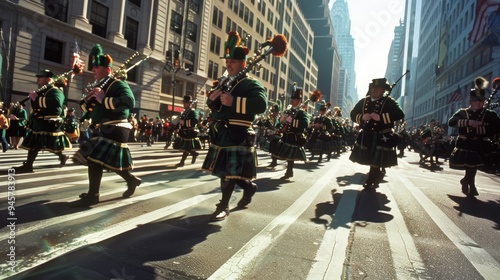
[{"x": 320, "y": 224}]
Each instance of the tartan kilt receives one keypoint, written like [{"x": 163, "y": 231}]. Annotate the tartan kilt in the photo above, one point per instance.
[
  {"x": 271, "y": 142},
  {"x": 286, "y": 151},
  {"x": 463, "y": 158},
  {"x": 321, "y": 147},
  {"x": 46, "y": 141},
  {"x": 187, "y": 144},
  {"x": 111, "y": 149},
  {"x": 231, "y": 162},
  {"x": 369, "y": 150}
]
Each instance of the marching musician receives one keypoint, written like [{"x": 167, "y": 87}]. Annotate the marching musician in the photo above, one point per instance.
[
  {"x": 187, "y": 139},
  {"x": 109, "y": 103},
  {"x": 273, "y": 135},
  {"x": 45, "y": 132},
  {"x": 375, "y": 144},
  {"x": 321, "y": 137},
  {"x": 476, "y": 125},
  {"x": 232, "y": 156},
  {"x": 291, "y": 145}
]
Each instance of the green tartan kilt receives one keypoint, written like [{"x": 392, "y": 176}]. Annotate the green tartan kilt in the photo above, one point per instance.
[
  {"x": 464, "y": 158},
  {"x": 320, "y": 146},
  {"x": 46, "y": 141},
  {"x": 370, "y": 150},
  {"x": 286, "y": 151},
  {"x": 231, "y": 162},
  {"x": 111, "y": 149},
  {"x": 187, "y": 144}
]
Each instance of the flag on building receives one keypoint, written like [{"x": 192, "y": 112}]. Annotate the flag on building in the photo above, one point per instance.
[
  {"x": 483, "y": 9},
  {"x": 456, "y": 95}
]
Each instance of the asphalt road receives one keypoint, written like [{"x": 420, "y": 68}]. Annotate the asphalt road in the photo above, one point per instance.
[{"x": 320, "y": 224}]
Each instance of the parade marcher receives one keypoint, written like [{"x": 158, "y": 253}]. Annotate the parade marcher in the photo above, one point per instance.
[
  {"x": 429, "y": 145},
  {"x": 45, "y": 132},
  {"x": 321, "y": 137},
  {"x": 403, "y": 137},
  {"x": 294, "y": 122},
  {"x": 4, "y": 125},
  {"x": 232, "y": 156},
  {"x": 157, "y": 128},
  {"x": 476, "y": 125},
  {"x": 187, "y": 136},
  {"x": 71, "y": 126},
  {"x": 272, "y": 135},
  {"x": 112, "y": 99},
  {"x": 376, "y": 142},
  {"x": 18, "y": 122}
]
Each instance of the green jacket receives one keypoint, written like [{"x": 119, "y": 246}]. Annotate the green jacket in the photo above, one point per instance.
[
  {"x": 116, "y": 104},
  {"x": 47, "y": 110}
]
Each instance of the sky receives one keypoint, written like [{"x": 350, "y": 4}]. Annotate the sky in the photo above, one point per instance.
[{"x": 372, "y": 27}]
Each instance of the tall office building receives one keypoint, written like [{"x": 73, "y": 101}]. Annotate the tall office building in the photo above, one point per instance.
[{"x": 348, "y": 95}]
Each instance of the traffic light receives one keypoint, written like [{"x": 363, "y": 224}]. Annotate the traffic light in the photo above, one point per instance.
[{"x": 176, "y": 58}]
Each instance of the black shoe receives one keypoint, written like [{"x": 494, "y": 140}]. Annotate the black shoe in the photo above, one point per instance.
[
  {"x": 287, "y": 176},
  {"x": 24, "y": 169},
  {"x": 220, "y": 213},
  {"x": 473, "y": 191},
  {"x": 180, "y": 164},
  {"x": 368, "y": 186},
  {"x": 465, "y": 187},
  {"x": 131, "y": 187},
  {"x": 85, "y": 200},
  {"x": 247, "y": 196},
  {"x": 63, "y": 160},
  {"x": 195, "y": 155},
  {"x": 272, "y": 164}
]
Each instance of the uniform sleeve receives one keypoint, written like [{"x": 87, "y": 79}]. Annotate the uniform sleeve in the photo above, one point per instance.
[
  {"x": 357, "y": 112},
  {"x": 392, "y": 112},
  {"x": 51, "y": 103},
  {"x": 192, "y": 119},
  {"x": 301, "y": 121},
  {"x": 121, "y": 99},
  {"x": 255, "y": 102},
  {"x": 459, "y": 119}
]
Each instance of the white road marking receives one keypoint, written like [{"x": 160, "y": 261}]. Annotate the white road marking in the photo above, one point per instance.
[{"x": 240, "y": 263}]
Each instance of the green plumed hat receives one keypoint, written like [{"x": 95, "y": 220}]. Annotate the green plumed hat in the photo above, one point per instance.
[
  {"x": 46, "y": 73},
  {"x": 98, "y": 58},
  {"x": 232, "y": 47}
]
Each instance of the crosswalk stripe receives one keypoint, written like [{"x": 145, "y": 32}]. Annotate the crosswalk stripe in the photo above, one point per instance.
[
  {"x": 113, "y": 230},
  {"x": 485, "y": 264},
  {"x": 407, "y": 261},
  {"x": 240, "y": 263}
]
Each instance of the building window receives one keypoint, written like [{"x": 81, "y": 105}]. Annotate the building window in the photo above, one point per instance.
[
  {"x": 131, "y": 33},
  {"x": 210, "y": 69},
  {"x": 136, "y": 2},
  {"x": 217, "y": 18},
  {"x": 194, "y": 5},
  {"x": 99, "y": 19},
  {"x": 53, "y": 50},
  {"x": 57, "y": 9},
  {"x": 176, "y": 23},
  {"x": 189, "y": 55},
  {"x": 192, "y": 30}
]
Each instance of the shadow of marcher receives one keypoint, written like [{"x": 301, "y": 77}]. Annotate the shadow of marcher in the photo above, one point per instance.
[
  {"x": 327, "y": 208},
  {"x": 136, "y": 254},
  {"x": 369, "y": 207},
  {"x": 481, "y": 209}
]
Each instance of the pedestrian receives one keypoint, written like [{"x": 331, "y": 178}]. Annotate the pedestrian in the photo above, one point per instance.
[
  {"x": 187, "y": 139},
  {"x": 294, "y": 122},
  {"x": 476, "y": 126},
  {"x": 376, "y": 142},
  {"x": 18, "y": 122},
  {"x": 4, "y": 125},
  {"x": 232, "y": 156},
  {"x": 45, "y": 129},
  {"x": 113, "y": 100}
]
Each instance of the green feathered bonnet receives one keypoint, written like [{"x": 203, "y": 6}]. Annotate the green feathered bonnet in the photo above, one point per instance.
[
  {"x": 100, "y": 59},
  {"x": 232, "y": 47}
]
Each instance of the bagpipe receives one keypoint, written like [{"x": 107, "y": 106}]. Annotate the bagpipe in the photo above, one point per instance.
[
  {"x": 277, "y": 47},
  {"x": 88, "y": 102},
  {"x": 60, "y": 80},
  {"x": 314, "y": 97},
  {"x": 379, "y": 105}
]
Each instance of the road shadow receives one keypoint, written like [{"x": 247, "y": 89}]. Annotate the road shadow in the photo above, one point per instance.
[
  {"x": 369, "y": 207},
  {"x": 326, "y": 208},
  {"x": 142, "y": 253},
  {"x": 478, "y": 208},
  {"x": 356, "y": 178}
]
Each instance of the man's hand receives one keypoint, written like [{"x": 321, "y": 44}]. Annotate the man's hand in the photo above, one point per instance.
[
  {"x": 375, "y": 116},
  {"x": 474, "y": 123},
  {"x": 215, "y": 94},
  {"x": 226, "y": 99},
  {"x": 98, "y": 93},
  {"x": 366, "y": 117},
  {"x": 32, "y": 95}
]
